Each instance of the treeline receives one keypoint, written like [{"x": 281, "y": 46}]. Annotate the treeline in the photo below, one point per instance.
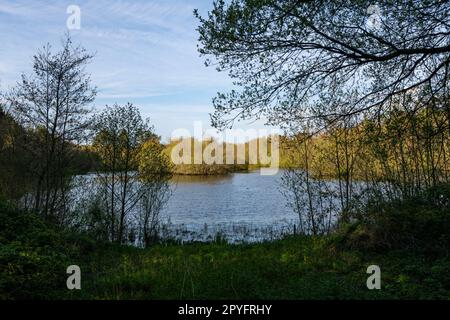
[
  {"x": 412, "y": 150},
  {"x": 19, "y": 157},
  {"x": 215, "y": 157}
]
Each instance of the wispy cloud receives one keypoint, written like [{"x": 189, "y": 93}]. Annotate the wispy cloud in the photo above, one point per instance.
[{"x": 145, "y": 52}]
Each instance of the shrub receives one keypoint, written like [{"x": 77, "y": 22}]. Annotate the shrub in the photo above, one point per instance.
[
  {"x": 33, "y": 256},
  {"x": 420, "y": 222}
]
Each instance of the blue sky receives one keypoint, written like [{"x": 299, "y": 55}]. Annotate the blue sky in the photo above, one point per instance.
[{"x": 145, "y": 53}]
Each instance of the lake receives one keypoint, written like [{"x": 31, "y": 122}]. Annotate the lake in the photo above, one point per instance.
[
  {"x": 243, "y": 206},
  {"x": 239, "y": 207}
]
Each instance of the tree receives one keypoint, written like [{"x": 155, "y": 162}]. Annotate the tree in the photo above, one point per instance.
[
  {"x": 120, "y": 134},
  {"x": 53, "y": 104},
  {"x": 155, "y": 170},
  {"x": 285, "y": 54},
  {"x": 348, "y": 70},
  {"x": 305, "y": 188}
]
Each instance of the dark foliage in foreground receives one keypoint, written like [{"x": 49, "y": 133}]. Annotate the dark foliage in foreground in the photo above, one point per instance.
[
  {"x": 417, "y": 223},
  {"x": 34, "y": 255}
]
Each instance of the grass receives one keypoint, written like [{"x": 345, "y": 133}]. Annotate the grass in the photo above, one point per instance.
[{"x": 292, "y": 268}]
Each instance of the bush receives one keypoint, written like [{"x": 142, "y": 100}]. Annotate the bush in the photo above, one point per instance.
[
  {"x": 422, "y": 222},
  {"x": 33, "y": 256}
]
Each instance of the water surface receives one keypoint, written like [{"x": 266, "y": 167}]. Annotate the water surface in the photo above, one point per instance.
[{"x": 241, "y": 206}]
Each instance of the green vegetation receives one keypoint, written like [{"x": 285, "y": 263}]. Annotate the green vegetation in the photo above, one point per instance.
[
  {"x": 414, "y": 258},
  {"x": 33, "y": 255},
  {"x": 20, "y": 150},
  {"x": 293, "y": 268},
  {"x": 213, "y": 160}
]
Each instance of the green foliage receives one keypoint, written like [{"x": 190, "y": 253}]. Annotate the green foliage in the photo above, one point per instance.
[
  {"x": 18, "y": 157},
  {"x": 134, "y": 174},
  {"x": 119, "y": 131},
  {"x": 233, "y": 158},
  {"x": 14, "y": 158},
  {"x": 418, "y": 223},
  {"x": 33, "y": 256},
  {"x": 154, "y": 163}
]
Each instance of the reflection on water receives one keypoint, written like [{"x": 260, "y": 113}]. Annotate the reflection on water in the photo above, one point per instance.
[
  {"x": 240, "y": 206},
  {"x": 212, "y": 179}
]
